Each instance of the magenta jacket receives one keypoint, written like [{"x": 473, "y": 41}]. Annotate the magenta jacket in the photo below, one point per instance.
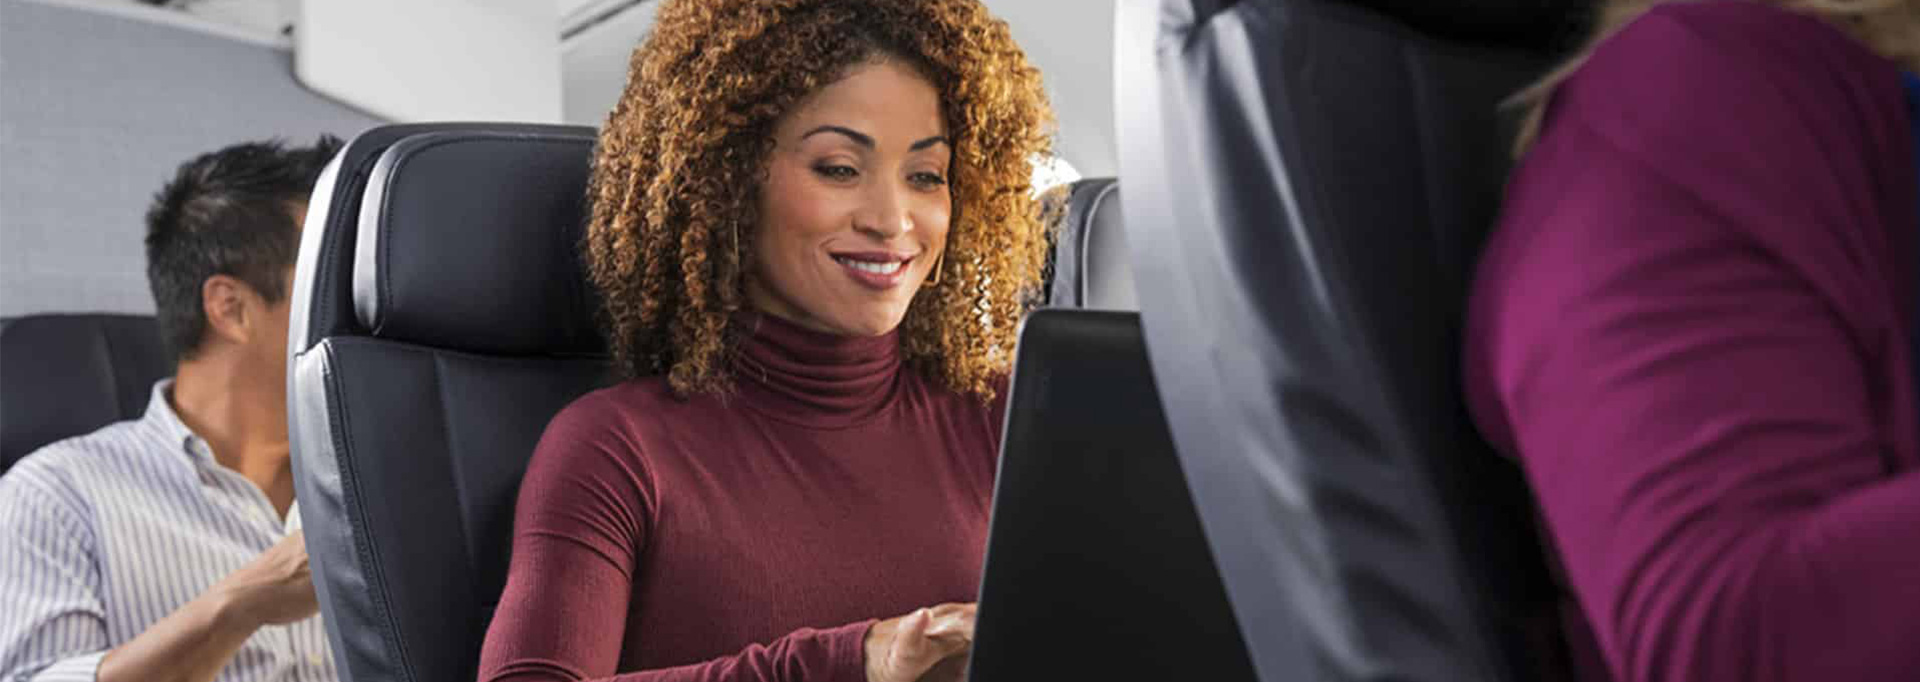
[{"x": 1694, "y": 327}]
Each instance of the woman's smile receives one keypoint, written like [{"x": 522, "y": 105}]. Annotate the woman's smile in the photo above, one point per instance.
[{"x": 876, "y": 270}]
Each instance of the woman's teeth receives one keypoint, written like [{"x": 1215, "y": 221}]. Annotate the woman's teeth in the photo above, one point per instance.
[{"x": 886, "y": 268}]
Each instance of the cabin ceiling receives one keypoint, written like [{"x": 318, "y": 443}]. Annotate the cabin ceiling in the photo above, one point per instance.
[{"x": 1071, "y": 41}]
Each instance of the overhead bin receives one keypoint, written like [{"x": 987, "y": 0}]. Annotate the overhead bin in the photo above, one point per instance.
[{"x": 434, "y": 60}]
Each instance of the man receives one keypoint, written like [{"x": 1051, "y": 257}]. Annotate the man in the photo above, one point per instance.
[{"x": 157, "y": 549}]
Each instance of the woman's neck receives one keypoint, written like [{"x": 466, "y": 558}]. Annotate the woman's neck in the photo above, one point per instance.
[{"x": 812, "y": 377}]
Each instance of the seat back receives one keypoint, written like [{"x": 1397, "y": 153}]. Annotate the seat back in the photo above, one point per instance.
[
  {"x": 67, "y": 375},
  {"x": 1308, "y": 183},
  {"x": 1089, "y": 267},
  {"x": 443, "y": 319}
]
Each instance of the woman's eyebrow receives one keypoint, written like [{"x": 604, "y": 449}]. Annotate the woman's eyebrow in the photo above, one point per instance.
[
  {"x": 866, "y": 140},
  {"x": 858, "y": 137}
]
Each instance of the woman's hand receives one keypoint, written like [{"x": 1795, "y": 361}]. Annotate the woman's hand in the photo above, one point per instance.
[{"x": 904, "y": 649}]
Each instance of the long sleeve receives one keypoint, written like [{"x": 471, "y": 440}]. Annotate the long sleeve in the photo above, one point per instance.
[
  {"x": 52, "y": 621},
  {"x": 579, "y": 528},
  {"x": 1682, "y": 333}
]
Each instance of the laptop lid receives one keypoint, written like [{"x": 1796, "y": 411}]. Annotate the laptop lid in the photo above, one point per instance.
[{"x": 1096, "y": 564}]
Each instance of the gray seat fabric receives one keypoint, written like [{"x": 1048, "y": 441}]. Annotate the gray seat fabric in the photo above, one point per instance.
[
  {"x": 67, "y": 375},
  {"x": 1308, "y": 182},
  {"x": 1090, "y": 265},
  {"x": 442, "y": 318}
]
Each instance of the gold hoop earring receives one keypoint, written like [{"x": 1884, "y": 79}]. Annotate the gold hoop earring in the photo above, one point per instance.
[{"x": 934, "y": 279}]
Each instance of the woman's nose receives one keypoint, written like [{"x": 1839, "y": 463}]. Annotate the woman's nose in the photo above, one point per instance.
[{"x": 886, "y": 215}]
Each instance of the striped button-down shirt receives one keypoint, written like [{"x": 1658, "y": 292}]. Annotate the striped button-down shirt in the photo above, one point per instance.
[{"x": 103, "y": 535}]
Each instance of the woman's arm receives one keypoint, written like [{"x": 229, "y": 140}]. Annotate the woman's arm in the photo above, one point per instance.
[
  {"x": 1680, "y": 334},
  {"x": 583, "y": 509}
]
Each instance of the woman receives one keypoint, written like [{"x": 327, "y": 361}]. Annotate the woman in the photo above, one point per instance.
[
  {"x": 1695, "y": 326},
  {"x": 813, "y": 233}
]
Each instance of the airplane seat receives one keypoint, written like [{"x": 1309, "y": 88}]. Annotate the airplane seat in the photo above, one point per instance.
[
  {"x": 442, "y": 318},
  {"x": 1309, "y": 181},
  {"x": 66, "y": 375},
  {"x": 1089, "y": 266}
]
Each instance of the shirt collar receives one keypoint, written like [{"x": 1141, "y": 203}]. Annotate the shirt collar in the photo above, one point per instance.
[{"x": 161, "y": 415}]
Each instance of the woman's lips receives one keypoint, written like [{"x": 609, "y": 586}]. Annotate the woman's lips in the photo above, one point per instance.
[{"x": 878, "y": 271}]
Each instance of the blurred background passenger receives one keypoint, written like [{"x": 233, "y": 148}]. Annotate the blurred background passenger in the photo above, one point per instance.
[
  {"x": 1695, "y": 327},
  {"x": 158, "y": 549}
]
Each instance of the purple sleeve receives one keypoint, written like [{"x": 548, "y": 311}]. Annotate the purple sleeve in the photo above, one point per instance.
[
  {"x": 583, "y": 508},
  {"x": 1668, "y": 329}
]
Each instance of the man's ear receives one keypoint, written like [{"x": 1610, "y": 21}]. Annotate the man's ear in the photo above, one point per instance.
[{"x": 224, "y": 300}]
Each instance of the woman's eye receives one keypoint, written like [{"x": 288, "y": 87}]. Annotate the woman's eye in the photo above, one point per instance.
[
  {"x": 927, "y": 179},
  {"x": 833, "y": 172}
]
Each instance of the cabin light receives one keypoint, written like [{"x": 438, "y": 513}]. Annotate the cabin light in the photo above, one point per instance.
[
  {"x": 1050, "y": 172},
  {"x": 266, "y": 18}
]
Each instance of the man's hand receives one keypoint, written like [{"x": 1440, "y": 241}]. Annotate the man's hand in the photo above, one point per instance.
[
  {"x": 275, "y": 589},
  {"x": 195, "y": 642}
]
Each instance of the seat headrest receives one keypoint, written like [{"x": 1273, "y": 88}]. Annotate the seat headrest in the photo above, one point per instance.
[
  {"x": 67, "y": 375},
  {"x": 1091, "y": 266},
  {"x": 468, "y": 240},
  {"x": 1551, "y": 25},
  {"x": 1526, "y": 24}
]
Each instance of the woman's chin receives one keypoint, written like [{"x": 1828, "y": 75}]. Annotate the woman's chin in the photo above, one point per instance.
[
  {"x": 878, "y": 323},
  {"x": 870, "y": 328}
]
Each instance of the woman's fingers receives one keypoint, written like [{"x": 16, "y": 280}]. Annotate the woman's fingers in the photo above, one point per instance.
[
  {"x": 909, "y": 653},
  {"x": 953, "y": 625},
  {"x": 920, "y": 641},
  {"x": 950, "y": 669}
]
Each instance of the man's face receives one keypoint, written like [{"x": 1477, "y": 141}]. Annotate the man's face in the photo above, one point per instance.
[
  {"x": 268, "y": 352},
  {"x": 265, "y": 352}
]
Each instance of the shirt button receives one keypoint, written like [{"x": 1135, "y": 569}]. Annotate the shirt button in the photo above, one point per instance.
[{"x": 314, "y": 659}]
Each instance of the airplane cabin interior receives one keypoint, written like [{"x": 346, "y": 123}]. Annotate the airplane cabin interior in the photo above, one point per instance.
[{"x": 1232, "y": 437}]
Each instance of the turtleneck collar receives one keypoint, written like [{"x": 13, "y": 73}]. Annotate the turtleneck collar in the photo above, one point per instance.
[{"x": 814, "y": 378}]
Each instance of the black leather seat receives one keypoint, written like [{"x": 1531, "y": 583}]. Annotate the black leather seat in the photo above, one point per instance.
[
  {"x": 441, "y": 319},
  {"x": 1308, "y": 182},
  {"x": 1090, "y": 265},
  {"x": 68, "y": 375}
]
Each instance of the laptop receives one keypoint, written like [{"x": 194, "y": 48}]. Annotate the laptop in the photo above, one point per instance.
[{"x": 1096, "y": 566}]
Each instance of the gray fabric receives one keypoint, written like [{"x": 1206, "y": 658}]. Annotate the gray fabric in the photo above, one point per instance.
[
  {"x": 95, "y": 113},
  {"x": 1305, "y": 184}
]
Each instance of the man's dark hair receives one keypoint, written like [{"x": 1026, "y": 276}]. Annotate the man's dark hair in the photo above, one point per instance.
[{"x": 230, "y": 213}]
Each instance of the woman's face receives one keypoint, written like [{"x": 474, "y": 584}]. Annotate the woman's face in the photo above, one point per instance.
[{"x": 854, "y": 211}]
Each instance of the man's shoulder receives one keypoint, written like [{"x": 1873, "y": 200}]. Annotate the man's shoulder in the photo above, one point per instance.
[{"x": 73, "y": 465}]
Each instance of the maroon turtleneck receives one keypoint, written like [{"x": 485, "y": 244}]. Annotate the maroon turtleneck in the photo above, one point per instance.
[{"x": 753, "y": 536}]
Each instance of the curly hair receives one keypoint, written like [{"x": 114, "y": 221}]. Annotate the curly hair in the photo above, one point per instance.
[
  {"x": 1888, "y": 27},
  {"x": 683, "y": 155}
]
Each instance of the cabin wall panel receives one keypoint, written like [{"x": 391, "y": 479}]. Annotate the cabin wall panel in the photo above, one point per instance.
[
  {"x": 96, "y": 111},
  {"x": 1071, "y": 41}
]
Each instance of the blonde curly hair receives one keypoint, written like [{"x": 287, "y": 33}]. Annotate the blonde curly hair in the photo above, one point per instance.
[
  {"x": 1890, "y": 28},
  {"x": 683, "y": 154}
]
